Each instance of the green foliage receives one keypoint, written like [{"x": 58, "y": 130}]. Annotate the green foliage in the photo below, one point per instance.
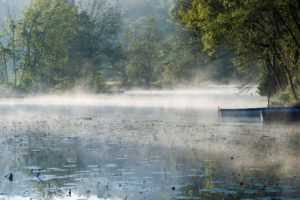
[
  {"x": 285, "y": 98},
  {"x": 95, "y": 45},
  {"x": 259, "y": 33},
  {"x": 59, "y": 44},
  {"x": 179, "y": 61},
  {"x": 44, "y": 36},
  {"x": 27, "y": 84},
  {"x": 56, "y": 45},
  {"x": 185, "y": 62},
  {"x": 143, "y": 51},
  {"x": 264, "y": 84}
]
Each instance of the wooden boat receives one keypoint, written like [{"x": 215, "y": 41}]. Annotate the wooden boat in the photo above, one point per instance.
[
  {"x": 283, "y": 114},
  {"x": 244, "y": 112},
  {"x": 266, "y": 114}
]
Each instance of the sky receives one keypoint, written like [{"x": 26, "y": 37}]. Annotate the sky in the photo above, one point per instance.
[
  {"x": 132, "y": 5},
  {"x": 133, "y": 9},
  {"x": 13, "y": 5}
]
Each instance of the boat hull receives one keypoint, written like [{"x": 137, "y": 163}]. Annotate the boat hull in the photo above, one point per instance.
[
  {"x": 287, "y": 115},
  {"x": 276, "y": 114},
  {"x": 248, "y": 112}
]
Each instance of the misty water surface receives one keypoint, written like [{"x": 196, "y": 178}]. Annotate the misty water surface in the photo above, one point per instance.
[{"x": 144, "y": 145}]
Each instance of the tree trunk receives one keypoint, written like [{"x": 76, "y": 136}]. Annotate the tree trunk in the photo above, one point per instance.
[
  {"x": 290, "y": 79},
  {"x": 5, "y": 65},
  {"x": 287, "y": 72},
  {"x": 275, "y": 75},
  {"x": 13, "y": 29},
  {"x": 278, "y": 17}
]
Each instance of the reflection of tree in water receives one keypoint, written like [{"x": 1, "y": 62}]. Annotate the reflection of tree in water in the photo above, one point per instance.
[
  {"x": 207, "y": 183},
  {"x": 41, "y": 157},
  {"x": 209, "y": 172},
  {"x": 294, "y": 142},
  {"x": 206, "y": 187},
  {"x": 258, "y": 164},
  {"x": 250, "y": 169},
  {"x": 217, "y": 183}
]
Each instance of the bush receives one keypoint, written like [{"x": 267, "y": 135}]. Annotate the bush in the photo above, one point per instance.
[{"x": 285, "y": 98}]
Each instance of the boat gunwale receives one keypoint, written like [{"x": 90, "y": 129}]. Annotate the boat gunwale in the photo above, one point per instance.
[{"x": 262, "y": 109}]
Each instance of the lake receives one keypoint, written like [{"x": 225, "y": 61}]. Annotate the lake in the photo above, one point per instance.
[{"x": 144, "y": 145}]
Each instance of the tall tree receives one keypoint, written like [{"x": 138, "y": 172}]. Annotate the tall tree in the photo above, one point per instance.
[
  {"x": 261, "y": 33},
  {"x": 144, "y": 48},
  {"x": 45, "y": 34},
  {"x": 4, "y": 58},
  {"x": 95, "y": 46},
  {"x": 9, "y": 46}
]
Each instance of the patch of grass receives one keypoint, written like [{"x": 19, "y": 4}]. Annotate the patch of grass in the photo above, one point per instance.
[{"x": 285, "y": 98}]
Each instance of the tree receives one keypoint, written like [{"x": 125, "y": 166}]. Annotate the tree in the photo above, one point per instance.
[
  {"x": 4, "y": 58},
  {"x": 9, "y": 48},
  {"x": 12, "y": 28},
  {"x": 60, "y": 43},
  {"x": 261, "y": 34},
  {"x": 95, "y": 46},
  {"x": 185, "y": 61},
  {"x": 44, "y": 36},
  {"x": 143, "y": 50}
]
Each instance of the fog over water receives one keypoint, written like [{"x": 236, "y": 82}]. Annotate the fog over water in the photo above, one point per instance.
[
  {"x": 144, "y": 145},
  {"x": 206, "y": 98},
  {"x": 169, "y": 144}
]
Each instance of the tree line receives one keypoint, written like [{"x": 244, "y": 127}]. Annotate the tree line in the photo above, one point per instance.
[
  {"x": 263, "y": 38},
  {"x": 57, "y": 44},
  {"x": 61, "y": 44}
]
